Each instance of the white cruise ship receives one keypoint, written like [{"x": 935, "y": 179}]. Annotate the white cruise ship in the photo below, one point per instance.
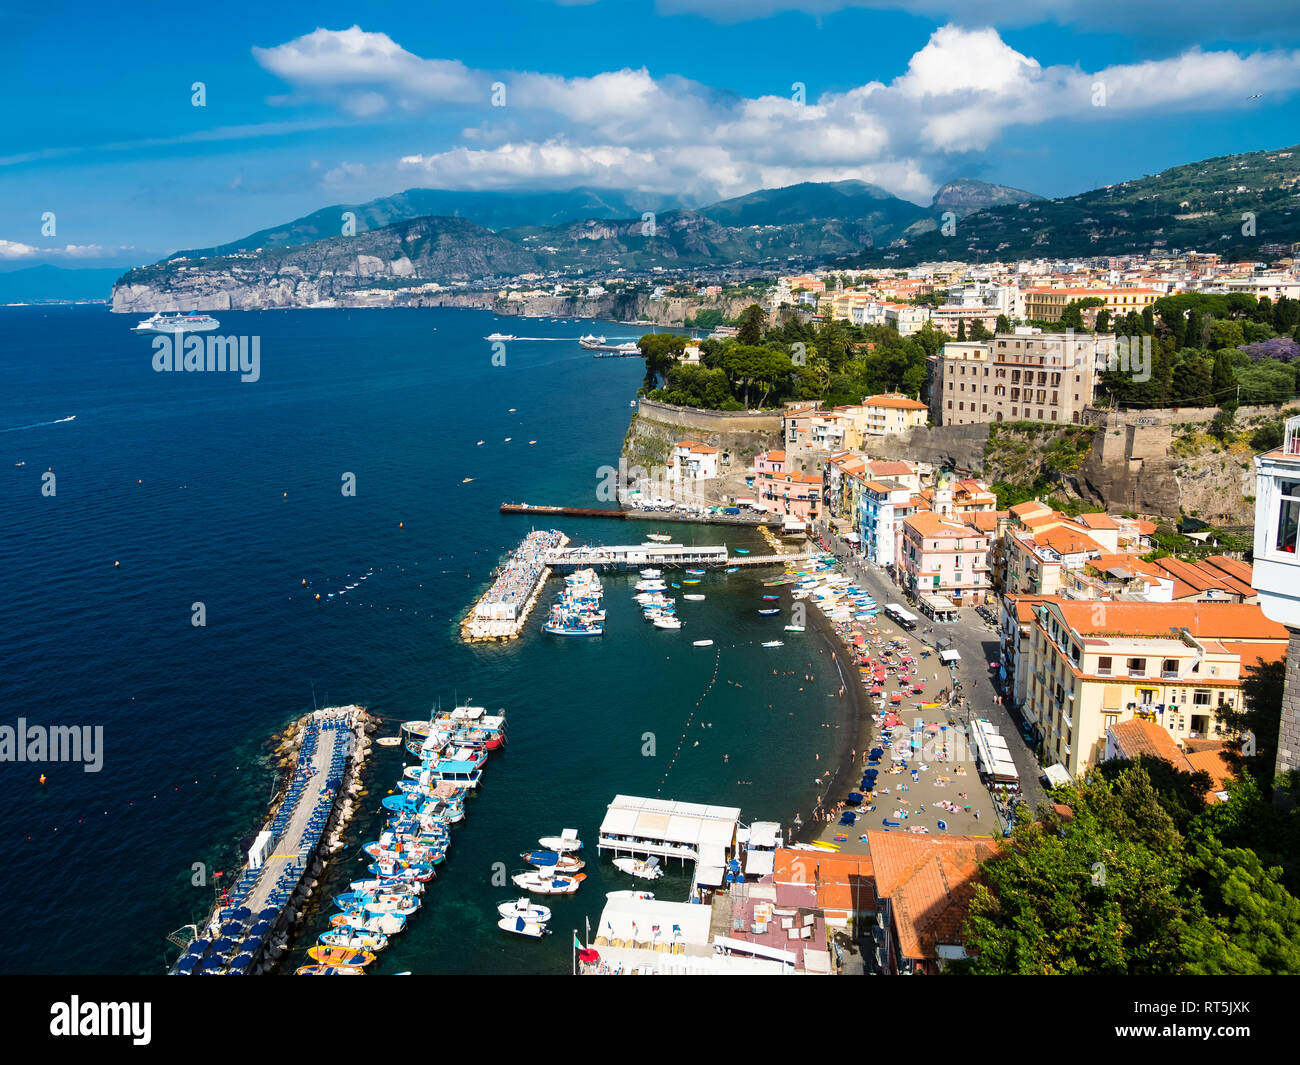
[{"x": 175, "y": 322}]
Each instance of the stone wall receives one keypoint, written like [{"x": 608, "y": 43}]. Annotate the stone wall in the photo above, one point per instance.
[
  {"x": 958, "y": 447},
  {"x": 1288, "y": 737},
  {"x": 1168, "y": 416},
  {"x": 712, "y": 421}
]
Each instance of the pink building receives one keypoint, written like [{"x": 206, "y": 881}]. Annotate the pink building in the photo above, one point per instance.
[
  {"x": 944, "y": 556},
  {"x": 769, "y": 462},
  {"x": 792, "y": 495}
]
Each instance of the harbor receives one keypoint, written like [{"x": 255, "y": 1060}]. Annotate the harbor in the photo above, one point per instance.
[{"x": 248, "y": 929}]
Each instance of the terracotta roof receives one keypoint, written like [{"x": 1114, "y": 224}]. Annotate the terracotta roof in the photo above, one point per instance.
[
  {"x": 776, "y": 456},
  {"x": 984, "y": 520},
  {"x": 895, "y": 401},
  {"x": 928, "y": 523},
  {"x": 885, "y": 468},
  {"x": 929, "y": 881},
  {"x": 1146, "y": 528},
  {"x": 1133, "y": 563},
  {"x": 703, "y": 449},
  {"x": 1098, "y": 520},
  {"x": 1138, "y": 736},
  {"x": 1212, "y": 760},
  {"x": 1240, "y": 621},
  {"x": 1234, "y": 567},
  {"x": 1067, "y": 541},
  {"x": 1030, "y": 506}
]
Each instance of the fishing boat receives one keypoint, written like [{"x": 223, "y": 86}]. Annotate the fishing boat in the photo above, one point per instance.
[
  {"x": 525, "y": 908},
  {"x": 521, "y": 927},
  {"x": 732, "y": 569},
  {"x": 641, "y": 868},
  {"x": 565, "y": 842},
  {"x": 540, "y": 882},
  {"x": 386, "y": 886},
  {"x": 696, "y": 572},
  {"x": 651, "y": 584},
  {"x": 651, "y": 574},
  {"x": 741, "y": 550},
  {"x": 774, "y": 610},
  {"x": 387, "y": 923},
  {"x": 771, "y": 598},
  {"x": 372, "y": 902},
  {"x": 693, "y": 580},
  {"x": 353, "y": 938},
  {"x": 561, "y": 863},
  {"x": 345, "y": 956},
  {"x": 329, "y": 970}
]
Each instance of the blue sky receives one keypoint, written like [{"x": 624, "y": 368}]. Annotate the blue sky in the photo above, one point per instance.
[{"x": 309, "y": 105}]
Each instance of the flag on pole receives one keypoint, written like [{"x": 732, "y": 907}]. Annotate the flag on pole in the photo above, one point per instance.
[{"x": 577, "y": 943}]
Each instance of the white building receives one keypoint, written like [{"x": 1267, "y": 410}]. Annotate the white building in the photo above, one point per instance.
[{"x": 693, "y": 461}]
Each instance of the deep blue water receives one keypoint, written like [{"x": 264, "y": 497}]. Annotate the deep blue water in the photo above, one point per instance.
[{"x": 206, "y": 489}]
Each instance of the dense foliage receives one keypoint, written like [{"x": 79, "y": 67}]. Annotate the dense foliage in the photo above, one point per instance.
[{"x": 831, "y": 363}]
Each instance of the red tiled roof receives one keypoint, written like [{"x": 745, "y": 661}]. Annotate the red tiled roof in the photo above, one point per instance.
[{"x": 929, "y": 881}]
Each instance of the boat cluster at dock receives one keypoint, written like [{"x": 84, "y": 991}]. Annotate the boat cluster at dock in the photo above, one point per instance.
[
  {"x": 577, "y": 610},
  {"x": 657, "y": 607},
  {"x": 452, "y": 747}
]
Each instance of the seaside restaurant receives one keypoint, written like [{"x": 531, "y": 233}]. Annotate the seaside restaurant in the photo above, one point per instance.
[{"x": 688, "y": 831}]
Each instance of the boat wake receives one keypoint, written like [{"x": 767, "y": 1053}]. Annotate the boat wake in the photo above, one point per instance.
[{"x": 38, "y": 425}]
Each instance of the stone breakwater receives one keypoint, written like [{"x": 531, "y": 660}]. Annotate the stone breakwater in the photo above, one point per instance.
[{"x": 503, "y": 610}]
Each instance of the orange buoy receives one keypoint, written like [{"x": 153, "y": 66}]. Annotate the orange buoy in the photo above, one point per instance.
[{"x": 42, "y": 778}]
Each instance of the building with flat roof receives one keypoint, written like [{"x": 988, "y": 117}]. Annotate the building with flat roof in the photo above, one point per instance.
[{"x": 1020, "y": 376}]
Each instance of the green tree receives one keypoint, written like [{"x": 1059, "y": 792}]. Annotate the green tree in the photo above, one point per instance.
[
  {"x": 660, "y": 351},
  {"x": 1002, "y": 325},
  {"x": 961, "y": 328},
  {"x": 753, "y": 320}
]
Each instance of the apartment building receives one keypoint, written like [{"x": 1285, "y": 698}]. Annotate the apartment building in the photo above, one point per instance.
[
  {"x": 1047, "y": 304},
  {"x": 883, "y": 506},
  {"x": 890, "y": 413},
  {"x": 1020, "y": 376},
  {"x": 1092, "y": 666},
  {"x": 941, "y": 556},
  {"x": 693, "y": 461}
]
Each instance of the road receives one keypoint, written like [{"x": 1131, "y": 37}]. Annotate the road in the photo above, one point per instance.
[{"x": 977, "y": 644}]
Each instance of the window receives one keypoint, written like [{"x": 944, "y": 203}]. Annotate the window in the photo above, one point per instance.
[
  {"x": 1288, "y": 518},
  {"x": 1201, "y": 697},
  {"x": 1169, "y": 667},
  {"x": 1104, "y": 666},
  {"x": 1137, "y": 667}
]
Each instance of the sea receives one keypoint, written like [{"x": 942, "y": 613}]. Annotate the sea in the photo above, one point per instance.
[{"x": 179, "y": 498}]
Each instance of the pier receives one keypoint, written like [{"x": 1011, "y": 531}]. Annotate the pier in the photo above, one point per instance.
[
  {"x": 634, "y": 514},
  {"x": 664, "y": 556},
  {"x": 502, "y": 611},
  {"x": 248, "y": 928}
]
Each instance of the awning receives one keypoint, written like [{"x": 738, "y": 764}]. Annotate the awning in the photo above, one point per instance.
[{"x": 949, "y": 656}]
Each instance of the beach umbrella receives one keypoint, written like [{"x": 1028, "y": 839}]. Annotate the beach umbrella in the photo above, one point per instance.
[{"x": 186, "y": 965}]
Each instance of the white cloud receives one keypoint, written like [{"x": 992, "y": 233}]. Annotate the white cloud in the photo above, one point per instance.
[
  {"x": 960, "y": 94},
  {"x": 13, "y": 250}
]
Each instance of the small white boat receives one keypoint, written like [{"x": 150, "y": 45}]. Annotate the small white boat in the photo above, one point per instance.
[
  {"x": 563, "y": 843},
  {"x": 651, "y": 574},
  {"x": 642, "y": 869},
  {"x": 773, "y": 643},
  {"x": 539, "y": 882},
  {"x": 499, "y": 336},
  {"x": 703, "y": 643},
  {"x": 659, "y": 538},
  {"x": 648, "y": 895},
  {"x": 666, "y": 621},
  {"x": 794, "y": 628},
  {"x": 694, "y": 598},
  {"x": 521, "y": 927},
  {"x": 525, "y": 908}
]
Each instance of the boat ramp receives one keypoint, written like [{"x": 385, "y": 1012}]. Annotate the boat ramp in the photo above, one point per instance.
[{"x": 247, "y": 931}]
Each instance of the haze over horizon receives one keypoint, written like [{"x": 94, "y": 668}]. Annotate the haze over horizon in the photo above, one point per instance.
[{"x": 698, "y": 101}]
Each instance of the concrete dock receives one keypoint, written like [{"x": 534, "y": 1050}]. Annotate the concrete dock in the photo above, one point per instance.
[{"x": 503, "y": 610}]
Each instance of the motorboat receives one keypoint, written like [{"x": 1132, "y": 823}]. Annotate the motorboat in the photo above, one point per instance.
[
  {"x": 666, "y": 621},
  {"x": 499, "y": 336},
  {"x": 647, "y": 895},
  {"x": 659, "y": 538},
  {"x": 525, "y": 908},
  {"x": 773, "y": 643},
  {"x": 353, "y": 937},
  {"x": 794, "y": 628},
  {"x": 565, "y": 842},
  {"x": 651, "y": 574},
  {"x": 561, "y": 863},
  {"x": 774, "y": 610},
  {"x": 521, "y": 927},
  {"x": 703, "y": 643},
  {"x": 540, "y": 882},
  {"x": 641, "y": 868},
  {"x": 387, "y": 923},
  {"x": 694, "y": 598},
  {"x": 329, "y": 970},
  {"x": 344, "y": 956},
  {"x": 651, "y": 584}
]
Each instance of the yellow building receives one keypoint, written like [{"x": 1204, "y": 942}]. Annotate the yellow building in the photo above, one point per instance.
[
  {"x": 1047, "y": 304},
  {"x": 1093, "y": 665}
]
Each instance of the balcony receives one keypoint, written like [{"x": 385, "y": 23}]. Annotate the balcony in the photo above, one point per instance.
[{"x": 1169, "y": 674}]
